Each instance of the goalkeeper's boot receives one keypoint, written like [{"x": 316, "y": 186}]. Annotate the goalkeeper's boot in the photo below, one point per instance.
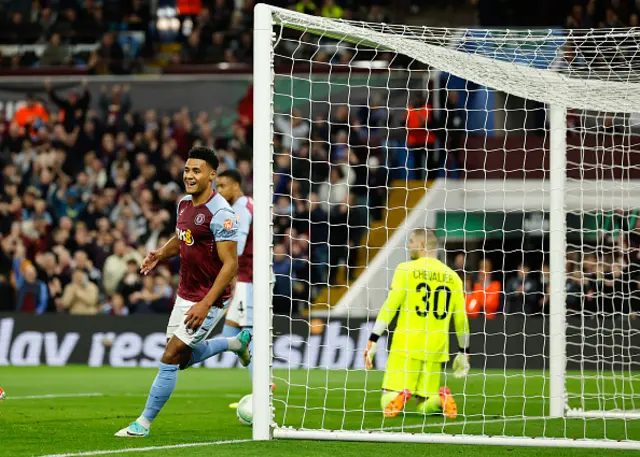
[
  {"x": 134, "y": 430},
  {"x": 448, "y": 403},
  {"x": 243, "y": 353},
  {"x": 395, "y": 406}
]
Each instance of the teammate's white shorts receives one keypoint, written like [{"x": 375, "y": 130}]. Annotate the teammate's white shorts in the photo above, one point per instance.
[
  {"x": 177, "y": 327},
  {"x": 241, "y": 307}
]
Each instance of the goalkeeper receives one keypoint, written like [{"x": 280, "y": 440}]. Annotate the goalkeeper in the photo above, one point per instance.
[{"x": 425, "y": 294}]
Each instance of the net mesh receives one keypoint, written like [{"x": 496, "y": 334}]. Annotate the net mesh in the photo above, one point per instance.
[{"x": 379, "y": 129}]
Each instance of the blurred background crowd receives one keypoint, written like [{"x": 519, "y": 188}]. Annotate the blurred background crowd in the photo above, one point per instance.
[
  {"x": 146, "y": 36},
  {"x": 90, "y": 180}
]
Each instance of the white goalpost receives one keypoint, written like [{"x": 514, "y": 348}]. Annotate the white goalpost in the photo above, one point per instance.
[{"x": 527, "y": 165}]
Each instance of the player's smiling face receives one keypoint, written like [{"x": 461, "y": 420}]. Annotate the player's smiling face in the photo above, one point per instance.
[{"x": 197, "y": 176}]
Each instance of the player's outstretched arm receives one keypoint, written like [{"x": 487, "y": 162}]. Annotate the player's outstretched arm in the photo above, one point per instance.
[
  {"x": 389, "y": 309},
  {"x": 170, "y": 249}
]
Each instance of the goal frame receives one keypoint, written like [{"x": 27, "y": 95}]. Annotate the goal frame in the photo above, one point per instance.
[{"x": 264, "y": 425}]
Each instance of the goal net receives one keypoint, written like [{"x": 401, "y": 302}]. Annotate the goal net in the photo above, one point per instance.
[{"x": 521, "y": 150}]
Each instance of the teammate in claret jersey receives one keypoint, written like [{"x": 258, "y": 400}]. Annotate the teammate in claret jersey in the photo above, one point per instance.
[
  {"x": 206, "y": 240},
  {"x": 240, "y": 312},
  {"x": 425, "y": 295}
]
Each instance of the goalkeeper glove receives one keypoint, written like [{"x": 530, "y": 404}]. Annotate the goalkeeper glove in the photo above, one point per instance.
[
  {"x": 369, "y": 354},
  {"x": 461, "y": 365}
]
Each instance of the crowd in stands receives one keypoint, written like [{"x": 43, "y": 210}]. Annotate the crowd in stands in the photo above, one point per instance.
[
  {"x": 330, "y": 182},
  {"x": 588, "y": 14},
  {"x": 600, "y": 281},
  {"x": 85, "y": 193},
  {"x": 116, "y": 36}
]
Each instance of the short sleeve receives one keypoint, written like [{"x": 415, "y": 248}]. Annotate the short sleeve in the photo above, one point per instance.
[
  {"x": 224, "y": 225},
  {"x": 244, "y": 219}
]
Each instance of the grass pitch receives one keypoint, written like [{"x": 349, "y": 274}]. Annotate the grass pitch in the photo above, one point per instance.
[{"x": 73, "y": 410}]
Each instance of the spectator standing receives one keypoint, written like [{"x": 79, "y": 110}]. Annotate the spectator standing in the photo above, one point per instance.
[
  {"x": 282, "y": 287},
  {"x": 115, "y": 267},
  {"x": 486, "y": 296},
  {"x": 32, "y": 294},
  {"x": 419, "y": 139},
  {"x": 74, "y": 108},
  {"x": 294, "y": 129},
  {"x": 130, "y": 283},
  {"x": 55, "y": 52},
  {"x": 334, "y": 192},
  {"x": 32, "y": 114},
  {"x": 522, "y": 293},
  {"x": 115, "y": 107},
  {"x": 108, "y": 58},
  {"x": 80, "y": 296},
  {"x": 454, "y": 133},
  {"x": 48, "y": 273}
]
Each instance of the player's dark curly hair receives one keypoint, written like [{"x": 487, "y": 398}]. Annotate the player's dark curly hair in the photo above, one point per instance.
[
  {"x": 232, "y": 174},
  {"x": 206, "y": 154}
]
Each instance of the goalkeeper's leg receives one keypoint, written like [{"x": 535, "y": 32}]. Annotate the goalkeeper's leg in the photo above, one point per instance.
[
  {"x": 400, "y": 380},
  {"x": 433, "y": 399}
]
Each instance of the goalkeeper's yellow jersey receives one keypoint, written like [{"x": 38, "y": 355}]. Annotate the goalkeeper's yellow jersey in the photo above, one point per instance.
[{"x": 426, "y": 294}]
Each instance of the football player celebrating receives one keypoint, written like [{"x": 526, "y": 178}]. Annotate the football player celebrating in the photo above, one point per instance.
[{"x": 206, "y": 240}]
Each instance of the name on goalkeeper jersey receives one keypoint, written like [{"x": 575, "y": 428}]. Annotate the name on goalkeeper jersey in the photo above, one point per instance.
[{"x": 439, "y": 276}]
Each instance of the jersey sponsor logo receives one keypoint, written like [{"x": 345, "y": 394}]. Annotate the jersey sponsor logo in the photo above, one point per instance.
[
  {"x": 227, "y": 224},
  {"x": 186, "y": 236},
  {"x": 199, "y": 220}
]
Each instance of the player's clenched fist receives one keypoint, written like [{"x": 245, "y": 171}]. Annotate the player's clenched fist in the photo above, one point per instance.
[{"x": 369, "y": 354}]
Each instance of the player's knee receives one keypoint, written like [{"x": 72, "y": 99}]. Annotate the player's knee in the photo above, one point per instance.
[{"x": 176, "y": 353}]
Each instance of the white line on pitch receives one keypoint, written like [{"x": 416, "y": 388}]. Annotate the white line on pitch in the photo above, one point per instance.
[
  {"x": 450, "y": 423},
  {"x": 37, "y": 397},
  {"x": 145, "y": 449}
]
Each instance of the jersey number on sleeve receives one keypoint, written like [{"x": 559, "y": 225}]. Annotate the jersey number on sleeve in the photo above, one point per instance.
[{"x": 437, "y": 297}]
